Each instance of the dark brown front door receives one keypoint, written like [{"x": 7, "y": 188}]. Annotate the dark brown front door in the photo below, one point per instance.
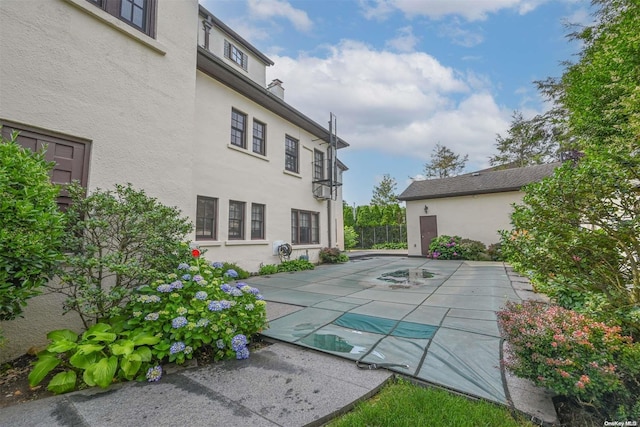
[{"x": 428, "y": 230}]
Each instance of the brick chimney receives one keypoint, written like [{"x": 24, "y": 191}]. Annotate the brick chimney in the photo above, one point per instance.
[{"x": 275, "y": 87}]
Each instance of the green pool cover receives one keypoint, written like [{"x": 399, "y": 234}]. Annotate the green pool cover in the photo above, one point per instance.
[{"x": 441, "y": 328}]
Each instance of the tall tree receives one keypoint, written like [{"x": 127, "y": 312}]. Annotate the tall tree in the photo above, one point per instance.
[
  {"x": 444, "y": 163},
  {"x": 528, "y": 142},
  {"x": 348, "y": 214},
  {"x": 385, "y": 193}
]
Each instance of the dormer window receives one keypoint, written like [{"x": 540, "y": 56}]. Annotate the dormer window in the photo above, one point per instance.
[{"x": 236, "y": 55}]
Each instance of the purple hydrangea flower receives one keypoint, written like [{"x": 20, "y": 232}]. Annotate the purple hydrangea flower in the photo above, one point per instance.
[
  {"x": 186, "y": 277},
  {"x": 154, "y": 374},
  {"x": 198, "y": 278},
  {"x": 259, "y": 297},
  {"x": 183, "y": 266},
  {"x": 235, "y": 292},
  {"x": 238, "y": 342},
  {"x": 215, "y": 306},
  {"x": 217, "y": 264},
  {"x": 225, "y": 304},
  {"x": 240, "y": 285},
  {"x": 179, "y": 322},
  {"x": 176, "y": 285},
  {"x": 225, "y": 287},
  {"x": 165, "y": 288},
  {"x": 201, "y": 295},
  {"x": 176, "y": 347},
  {"x": 231, "y": 273},
  {"x": 242, "y": 354}
]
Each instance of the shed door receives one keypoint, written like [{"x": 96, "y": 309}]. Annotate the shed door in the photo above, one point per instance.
[{"x": 428, "y": 230}]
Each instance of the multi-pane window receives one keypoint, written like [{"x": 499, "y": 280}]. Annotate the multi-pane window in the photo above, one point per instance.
[
  {"x": 305, "y": 227},
  {"x": 318, "y": 165},
  {"x": 206, "y": 214},
  {"x": 291, "y": 154},
  {"x": 238, "y": 128},
  {"x": 259, "y": 135},
  {"x": 236, "y": 220},
  {"x": 140, "y": 14},
  {"x": 236, "y": 55},
  {"x": 257, "y": 221}
]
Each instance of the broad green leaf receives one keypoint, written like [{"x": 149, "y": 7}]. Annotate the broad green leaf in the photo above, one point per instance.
[
  {"x": 89, "y": 348},
  {"x": 100, "y": 336},
  {"x": 83, "y": 361},
  {"x": 105, "y": 370},
  {"x": 61, "y": 346},
  {"x": 41, "y": 369},
  {"x": 87, "y": 376},
  {"x": 130, "y": 367},
  {"x": 144, "y": 353},
  {"x": 63, "y": 382},
  {"x": 62, "y": 335},
  {"x": 145, "y": 339},
  {"x": 122, "y": 347}
]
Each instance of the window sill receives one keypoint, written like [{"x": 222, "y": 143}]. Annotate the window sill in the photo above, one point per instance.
[
  {"x": 245, "y": 242},
  {"x": 208, "y": 243},
  {"x": 306, "y": 246},
  {"x": 117, "y": 24},
  {"x": 295, "y": 174},
  {"x": 245, "y": 151}
]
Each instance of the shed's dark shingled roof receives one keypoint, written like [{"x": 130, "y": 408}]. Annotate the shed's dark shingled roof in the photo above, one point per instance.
[{"x": 477, "y": 183}]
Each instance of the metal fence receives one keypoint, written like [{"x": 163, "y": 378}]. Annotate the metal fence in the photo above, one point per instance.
[{"x": 369, "y": 236}]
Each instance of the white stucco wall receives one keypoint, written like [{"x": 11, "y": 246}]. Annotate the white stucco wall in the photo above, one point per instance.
[
  {"x": 477, "y": 217},
  {"x": 226, "y": 172}
]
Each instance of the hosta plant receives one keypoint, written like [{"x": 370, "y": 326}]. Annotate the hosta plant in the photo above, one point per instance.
[{"x": 98, "y": 357}]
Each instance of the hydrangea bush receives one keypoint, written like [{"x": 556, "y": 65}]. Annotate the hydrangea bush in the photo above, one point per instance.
[
  {"x": 574, "y": 356},
  {"x": 197, "y": 305}
]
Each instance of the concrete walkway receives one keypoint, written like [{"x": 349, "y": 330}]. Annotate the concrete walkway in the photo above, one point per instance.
[{"x": 279, "y": 385}]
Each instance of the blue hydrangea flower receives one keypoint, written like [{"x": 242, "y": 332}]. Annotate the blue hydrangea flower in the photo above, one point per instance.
[
  {"x": 202, "y": 323},
  {"x": 225, "y": 287},
  {"x": 225, "y": 304},
  {"x": 151, "y": 316},
  {"x": 254, "y": 291},
  {"x": 214, "y": 306},
  {"x": 220, "y": 344},
  {"x": 240, "y": 285},
  {"x": 197, "y": 278},
  {"x": 179, "y": 322},
  {"x": 235, "y": 292},
  {"x": 201, "y": 295},
  {"x": 217, "y": 264},
  {"x": 165, "y": 288},
  {"x": 242, "y": 353},
  {"x": 154, "y": 374},
  {"x": 176, "y": 347},
  {"x": 238, "y": 342},
  {"x": 259, "y": 297},
  {"x": 231, "y": 273},
  {"x": 176, "y": 285},
  {"x": 183, "y": 266},
  {"x": 186, "y": 277}
]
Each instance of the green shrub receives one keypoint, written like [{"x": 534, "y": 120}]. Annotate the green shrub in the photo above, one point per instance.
[
  {"x": 295, "y": 265},
  {"x": 350, "y": 237},
  {"x": 332, "y": 256},
  {"x": 31, "y": 226},
  {"x": 390, "y": 245},
  {"x": 119, "y": 239},
  {"x": 268, "y": 269},
  {"x": 495, "y": 252},
  {"x": 473, "y": 250},
  {"x": 446, "y": 247},
  {"x": 241, "y": 273},
  {"x": 573, "y": 355}
]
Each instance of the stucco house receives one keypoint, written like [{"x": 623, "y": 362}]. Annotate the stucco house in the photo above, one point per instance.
[
  {"x": 165, "y": 96},
  {"x": 474, "y": 206}
]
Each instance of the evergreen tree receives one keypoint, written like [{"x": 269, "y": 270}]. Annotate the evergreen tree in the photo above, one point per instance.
[
  {"x": 444, "y": 163},
  {"x": 385, "y": 193}
]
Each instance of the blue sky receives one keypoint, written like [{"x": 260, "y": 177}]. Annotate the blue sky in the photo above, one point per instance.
[{"x": 404, "y": 75}]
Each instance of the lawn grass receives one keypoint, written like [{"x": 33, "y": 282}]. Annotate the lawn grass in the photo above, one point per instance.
[{"x": 402, "y": 403}]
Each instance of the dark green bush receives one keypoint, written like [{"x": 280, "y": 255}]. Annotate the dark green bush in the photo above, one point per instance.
[
  {"x": 31, "y": 226},
  {"x": 242, "y": 273},
  {"x": 119, "y": 239},
  {"x": 473, "y": 250},
  {"x": 495, "y": 252},
  {"x": 295, "y": 265},
  {"x": 332, "y": 256},
  {"x": 268, "y": 269},
  {"x": 390, "y": 245}
]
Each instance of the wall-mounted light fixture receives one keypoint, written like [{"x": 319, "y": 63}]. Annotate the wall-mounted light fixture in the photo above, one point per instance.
[{"x": 426, "y": 209}]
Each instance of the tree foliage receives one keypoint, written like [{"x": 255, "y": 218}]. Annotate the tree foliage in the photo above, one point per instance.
[
  {"x": 578, "y": 231},
  {"x": 528, "y": 142},
  {"x": 444, "y": 163},
  {"x": 119, "y": 240},
  {"x": 384, "y": 193},
  {"x": 31, "y": 226}
]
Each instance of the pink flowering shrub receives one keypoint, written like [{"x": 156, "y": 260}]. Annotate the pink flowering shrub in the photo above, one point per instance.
[{"x": 574, "y": 356}]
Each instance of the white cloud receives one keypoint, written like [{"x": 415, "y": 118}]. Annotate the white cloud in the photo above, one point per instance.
[
  {"x": 405, "y": 41},
  {"x": 266, "y": 9},
  {"x": 471, "y": 10},
  {"x": 398, "y": 103},
  {"x": 460, "y": 36}
]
